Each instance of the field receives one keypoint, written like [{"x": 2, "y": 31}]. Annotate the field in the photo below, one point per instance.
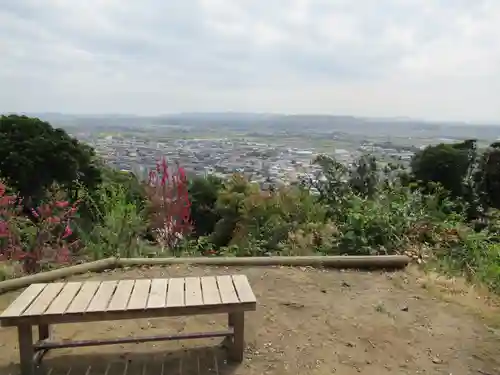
[{"x": 308, "y": 322}]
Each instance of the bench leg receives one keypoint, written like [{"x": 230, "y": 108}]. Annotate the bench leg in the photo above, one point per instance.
[
  {"x": 26, "y": 350},
  {"x": 237, "y": 321},
  {"x": 43, "y": 332}
]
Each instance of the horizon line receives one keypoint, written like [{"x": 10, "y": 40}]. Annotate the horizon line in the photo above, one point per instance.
[{"x": 277, "y": 114}]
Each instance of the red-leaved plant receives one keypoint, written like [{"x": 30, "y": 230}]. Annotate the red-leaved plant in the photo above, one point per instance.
[
  {"x": 42, "y": 239},
  {"x": 170, "y": 212}
]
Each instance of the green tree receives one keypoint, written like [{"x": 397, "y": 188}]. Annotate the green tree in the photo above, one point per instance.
[
  {"x": 331, "y": 183},
  {"x": 487, "y": 176},
  {"x": 34, "y": 155},
  {"x": 446, "y": 164},
  {"x": 229, "y": 205},
  {"x": 203, "y": 193},
  {"x": 364, "y": 176}
]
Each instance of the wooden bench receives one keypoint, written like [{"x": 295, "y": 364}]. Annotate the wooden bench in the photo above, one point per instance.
[{"x": 43, "y": 305}]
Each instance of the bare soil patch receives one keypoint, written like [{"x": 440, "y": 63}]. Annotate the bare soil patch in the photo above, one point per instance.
[{"x": 308, "y": 322}]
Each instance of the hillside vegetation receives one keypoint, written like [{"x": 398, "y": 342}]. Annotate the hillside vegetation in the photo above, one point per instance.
[{"x": 59, "y": 204}]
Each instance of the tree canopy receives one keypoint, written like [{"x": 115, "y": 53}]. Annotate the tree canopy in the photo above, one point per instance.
[
  {"x": 446, "y": 164},
  {"x": 487, "y": 176},
  {"x": 204, "y": 193},
  {"x": 34, "y": 155}
]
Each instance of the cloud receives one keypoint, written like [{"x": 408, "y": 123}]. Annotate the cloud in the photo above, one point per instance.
[{"x": 438, "y": 59}]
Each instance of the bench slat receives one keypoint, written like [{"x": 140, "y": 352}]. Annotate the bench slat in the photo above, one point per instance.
[
  {"x": 87, "y": 301},
  {"x": 243, "y": 289},
  {"x": 210, "y": 291},
  {"x": 44, "y": 299},
  {"x": 175, "y": 294},
  {"x": 83, "y": 298},
  {"x": 63, "y": 300},
  {"x": 193, "y": 291},
  {"x": 23, "y": 301},
  {"x": 226, "y": 289},
  {"x": 158, "y": 294},
  {"x": 139, "y": 297},
  {"x": 103, "y": 295},
  {"x": 122, "y": 295}
]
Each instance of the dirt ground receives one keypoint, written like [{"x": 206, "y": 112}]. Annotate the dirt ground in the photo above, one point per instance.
[{"x": 308, "y": 322}]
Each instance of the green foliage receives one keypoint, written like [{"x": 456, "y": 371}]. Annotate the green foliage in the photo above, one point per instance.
[
  {"x": 257, "y": 222},
  {"x": 472, "y": 254},
  {"x": 135, "y": 192},
  {"x": 361, "y": 209},
  {"x": 119, "y": 225},
  {"x": 373, "y": 214},
  {"x": 443, "y": 210},
  {"x": 332, "y": 184},
  {"x": 446, "y": 164},
  {"x": 34, "y": 155},
  {"x": 487, "y": 176},
  {"x": 94, "y": 202},
  {"x": 204, "y": 193},
  {"x": 364, "y": 176}
]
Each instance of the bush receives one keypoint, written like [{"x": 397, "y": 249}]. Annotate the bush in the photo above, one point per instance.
[
  {"x": 118, "y": 227},
  {"x": 204, "y": 193},
  {"x": 257, "y": 222},
  {"x": 40, "y": 242},
  {"x": 168, "y": 210},
  {"x": 386, "y": 225}
]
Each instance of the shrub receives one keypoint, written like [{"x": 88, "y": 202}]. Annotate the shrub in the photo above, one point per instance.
[
  {"x": 258, "y": 222},
  {"x": 168, "y": 211},
  {"x": 118, "y": 226},
  {"x": 461, "y": 250},
  {"x": 203, "y": 193},
  {"x": 46, "y": 239}
]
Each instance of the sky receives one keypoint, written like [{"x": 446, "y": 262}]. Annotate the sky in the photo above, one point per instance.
[{"x": 428, "y": 59}]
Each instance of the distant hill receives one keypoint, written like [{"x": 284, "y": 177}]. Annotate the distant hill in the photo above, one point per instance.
[{"x": 272, "y": 123}]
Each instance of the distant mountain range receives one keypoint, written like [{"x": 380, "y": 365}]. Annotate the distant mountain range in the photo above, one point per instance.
[
  {"x": 248, "y": 116},
  {"x": 269, "y": 122}
]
